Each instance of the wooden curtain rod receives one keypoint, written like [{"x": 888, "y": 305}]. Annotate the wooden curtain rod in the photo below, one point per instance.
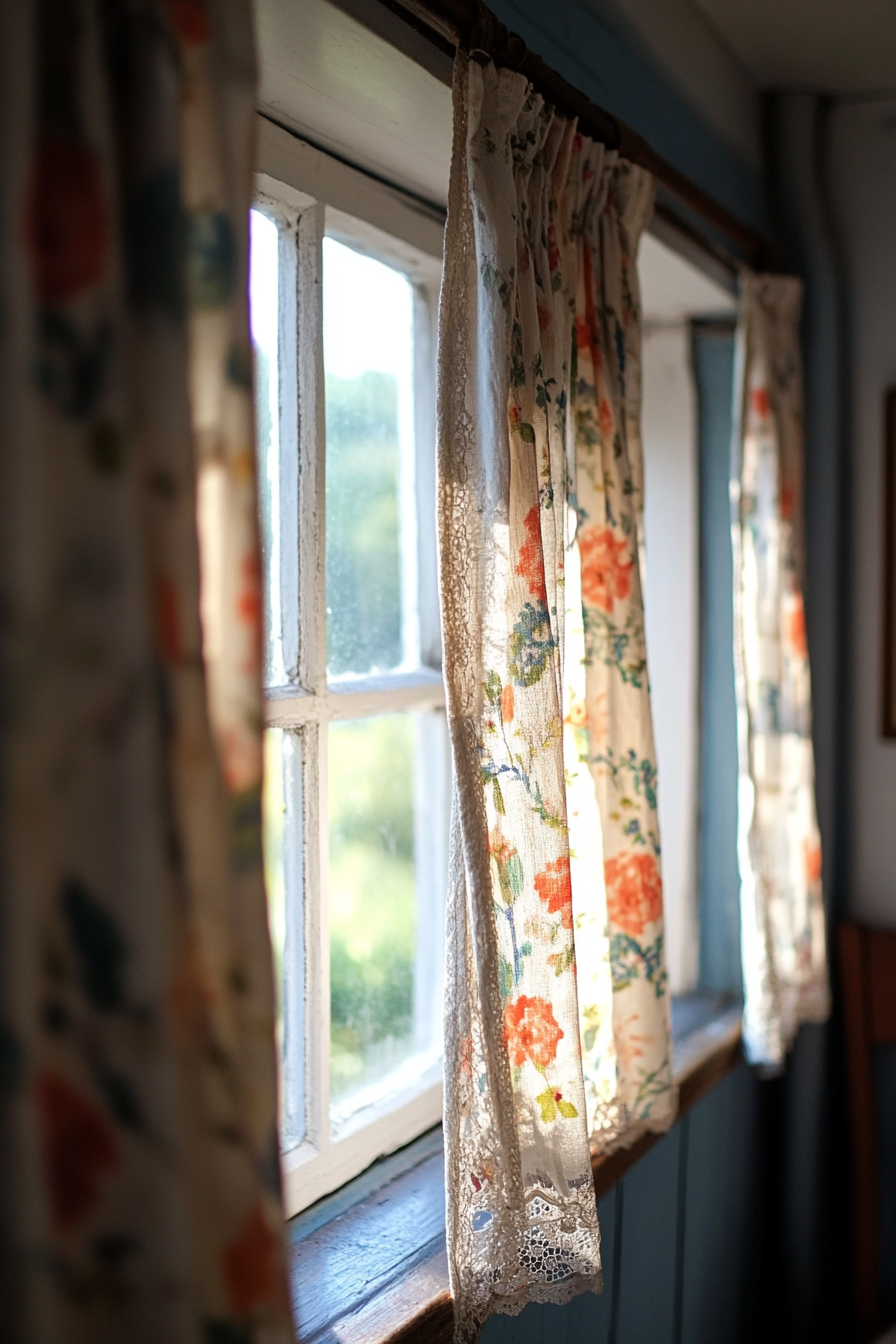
[{"x": 448, "y": 24}]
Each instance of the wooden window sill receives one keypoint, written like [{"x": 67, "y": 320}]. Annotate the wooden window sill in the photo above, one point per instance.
[{"x": 368, "y": 1265}]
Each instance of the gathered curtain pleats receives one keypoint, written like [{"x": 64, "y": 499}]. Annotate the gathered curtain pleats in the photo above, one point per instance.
[
  {"x": 138, "y": 1095},
  {"x": 557, "y": 1015},
  {"x": 783, "y": 942}
]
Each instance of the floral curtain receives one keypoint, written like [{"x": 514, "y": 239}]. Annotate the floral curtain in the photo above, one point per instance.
[
  {"x": 624, "y": 1017},
  {"x": 779, "y": 848},
  {"x": 557, "y": 1026},
  {"x": 139, "y": 1158}
]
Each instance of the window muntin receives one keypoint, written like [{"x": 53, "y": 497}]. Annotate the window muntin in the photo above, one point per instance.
[
  {"x": 284, "y": 880},
  {"x": 357, "y": 761}
]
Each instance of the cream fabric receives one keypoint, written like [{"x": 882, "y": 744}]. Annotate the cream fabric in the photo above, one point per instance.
[
  {"x": 139, "y": 1160},
  {"x": 779, "y": 848},
  {"x": 618, "y": 904},
  {"x": 539, "y": 523}
]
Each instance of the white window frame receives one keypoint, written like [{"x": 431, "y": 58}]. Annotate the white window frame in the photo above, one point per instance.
[{"x": 312, "y": 195}]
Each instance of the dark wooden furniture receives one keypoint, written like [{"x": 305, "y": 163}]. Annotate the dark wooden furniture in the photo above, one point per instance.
[
  {"x": 868, "y": 973},
  {"x": 888, "y": 685}
]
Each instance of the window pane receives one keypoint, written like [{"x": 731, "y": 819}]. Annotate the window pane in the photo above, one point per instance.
[
  {"x": 371, "y": 519},
  {"x": 283, "y": 880},
  {"x": 265, "y": 313},
  {"x": 387, "y": 801}
]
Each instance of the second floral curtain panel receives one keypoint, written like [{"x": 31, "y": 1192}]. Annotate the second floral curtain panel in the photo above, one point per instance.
[
  {"x": 557, "y": 1027},
  {"x": 779, "y": 848}
]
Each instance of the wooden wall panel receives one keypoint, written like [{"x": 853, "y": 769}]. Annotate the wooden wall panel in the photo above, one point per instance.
[
  {"x": 719, "y": 1214},
  {"x": 885, "y": 1079},
  {"x": 882, "y": 986},
  {"x": 857, "y": 1018},
  {"x": 649, "y": 1226}
]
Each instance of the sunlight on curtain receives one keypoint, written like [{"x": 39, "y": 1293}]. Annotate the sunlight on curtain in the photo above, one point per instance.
[{"x": 555, "y": 930}]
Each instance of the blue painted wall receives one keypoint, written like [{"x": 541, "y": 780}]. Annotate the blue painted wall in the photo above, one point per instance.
[
  {"x": 856, "y": 147},
  {"x": 719, "y": 882},
  {"x": 813, "y": 1136},
  {"x": 591, "y": 49}
]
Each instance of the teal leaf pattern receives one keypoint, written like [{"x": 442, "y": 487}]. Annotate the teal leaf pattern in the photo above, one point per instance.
[{"x": 532, "y": 645}]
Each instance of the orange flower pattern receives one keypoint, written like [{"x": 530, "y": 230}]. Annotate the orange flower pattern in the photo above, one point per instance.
[
  {"x": 554, "y": 887},
  {"x": 190, "y": 19},
  {"x": 80, "y": 1148},
  {"x": 797, "y": 628},
  {"x": 251, "y": 1265},
  {"x": 812, "y": 862},
  {"x": 606, "y": 573},
  {"x": 531, "y": 1032},
  {"x": 760, "y": 401},
  {"x": 67, "y": 222},
  {"x": 634, "y": 892},
  {"x": 531, "y": 562}
]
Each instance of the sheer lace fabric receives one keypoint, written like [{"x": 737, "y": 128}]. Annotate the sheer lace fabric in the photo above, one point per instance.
[
  {"x": 539, "y": 450},
  {"x": 779, "y": 847}
]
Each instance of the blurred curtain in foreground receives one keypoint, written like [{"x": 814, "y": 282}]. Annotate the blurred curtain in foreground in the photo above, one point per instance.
[{"x": 138, "y": 1154}]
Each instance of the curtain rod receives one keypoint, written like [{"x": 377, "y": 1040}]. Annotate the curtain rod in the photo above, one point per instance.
[{"x": 448, "y": 24}]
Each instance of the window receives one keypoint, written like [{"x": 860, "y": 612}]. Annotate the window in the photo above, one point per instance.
[
  {"x": 344, "y": 284},
  {"x": 357, "y": 761}
]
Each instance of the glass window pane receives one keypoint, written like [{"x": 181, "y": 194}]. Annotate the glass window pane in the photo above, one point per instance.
[
  {"x": 371, "y": 518},
  {"x": 283, "y": 847},
  {"x": 387, "y": 818},
  {"x": 265, "y": 316}
]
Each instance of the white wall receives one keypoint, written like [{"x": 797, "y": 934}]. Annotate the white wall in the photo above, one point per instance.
[
  {"x": 863, "y": 185},
  {"x": 671, "y": 608}
]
